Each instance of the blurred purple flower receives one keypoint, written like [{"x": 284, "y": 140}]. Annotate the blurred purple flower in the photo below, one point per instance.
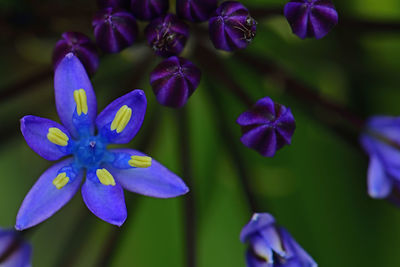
[
  {"x": 14, "y": 251},
  {"x": 231, "y": 27},
  {"x": 267, "y": 127},
  {"x": 149, "y": 9},
  {"x": 311, "y": 18},
  {"x": 81, "y": 46},
  {"x": 381, "y": 141},
  {"x": 195, "y": 10},
  {"x": 114, "y": 29},
  {"x": 167, "y": 35},
  {"x": 271, "y": 245},
  {"x": 107, "y": 171},
  {"x": 174, "y": 80}
]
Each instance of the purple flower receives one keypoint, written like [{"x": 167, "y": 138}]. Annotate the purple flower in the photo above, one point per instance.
[
  {"x": 382, "y": 143},
  {"x": 195, "y": 10},
  {"x": 107, "y": 171},
  {"x": 167, "y": 35},
  {"x": 149, "y": 9},
  {"x": 114, "y": 29},
  {"x": 271, "y": 245},
  {"x": 267, "y": 127},
  {"x": 311, "y": 18},
  {"x": 81, "y": 46},
  {"x": 231, "y": 26},
  {"x": 14, "y": 251},
  {"x": 174, "y": 80}
]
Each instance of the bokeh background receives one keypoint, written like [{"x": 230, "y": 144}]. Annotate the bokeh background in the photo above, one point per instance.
[{"x": 316, "y": 188}]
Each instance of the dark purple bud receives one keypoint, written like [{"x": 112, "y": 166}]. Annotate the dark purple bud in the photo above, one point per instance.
[
  {"x": 81, "y": 46},
  {"x": 195, "y": 10},
  {"x": 114, "y": 29},
  {"x": 311, "y": 18},
  {"x": 174, "y": 80},
  {"x": 267, "y": 127},
  {"x": 149, "y": 9},
  {"x": 231, "y": 26},
  {"x": 167, "y": 35},
  {"x": 113, "y": 3}
]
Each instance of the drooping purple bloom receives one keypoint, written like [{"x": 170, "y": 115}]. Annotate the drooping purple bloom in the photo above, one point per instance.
[
  {"x": 114, "y": 29},
  {"x": 81, "y": 46},
  {"x": 271, "y": 245},
  {"x": 195, "y": 10},
  {"x": 107, "y": 171},
  {"x": 149, "y": 9},
  {"x": 311, "y": 18},
  {"x": 381, "y": 141},
  {"x": 14, "y": 251},
  {"x": 174, "y": 80},
  {"x": 267, "y": 127},
  {"x": 167, "y": 35},
  {"x": 231, "y": 27}
]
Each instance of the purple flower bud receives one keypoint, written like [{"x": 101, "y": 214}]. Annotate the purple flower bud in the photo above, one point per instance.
[
  {"x": 149, "y": 9},
  {"x": 81, "y": 46},
  {"x": 272, "y": 245},
  {"x": 174, "y": 80},
  {"x": 195, "y": 10},
  {"x": 113, "y": 3},
  {"x": 311, "y": 18},
  {"x": 267, "y": 127},
  {"x": 231, "y": 26},
  {"x": 167, "y": 35},
  {"x": 114, "y": 29}
]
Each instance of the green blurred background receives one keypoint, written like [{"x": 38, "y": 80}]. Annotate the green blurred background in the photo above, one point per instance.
[{"x": 316, "y": 188}]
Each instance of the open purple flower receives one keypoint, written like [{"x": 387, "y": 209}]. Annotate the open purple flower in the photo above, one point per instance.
[
  {"x": 195, "y": 10},
  {"x": 81, "y": 46},
  {"x": 271, "y": 245},
  {"x": 382, "y": 143},
  {"x": 14, "y": 251},
  {"x": 311, "y": 18},
  {"x": 107, "y": 171},
  {"x": 231, "y": 27},
  {"x": 267, "y": 127},
  {"x": 174, "y": 80}
]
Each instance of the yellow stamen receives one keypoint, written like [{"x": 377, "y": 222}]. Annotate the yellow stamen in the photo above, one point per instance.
[
  {"x": 56, "y": 136},
  {"x": 121, "y": 119},
  {"x": 61, "y": 180},
  {"x": 81, "y": 101},
  {"x": 105, "y": 177},
  {"x": 140, "y": 161}
]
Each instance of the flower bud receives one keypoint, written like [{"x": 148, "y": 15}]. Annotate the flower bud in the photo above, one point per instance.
[
  {"x": 174, "y": 80},
  {"x": 195, "y": 10},
  {"x": 267, "y": 127},
  {"x": 167, "y": 35},
  {"x": 14, "y": 251},
  {"x": 149, "y": 9},
  {"x": 231, "y": 26},
  {"x": 114, "y": 29},
  {"x": 311, "y": 18},
  {"x": 81, "y": 46}
]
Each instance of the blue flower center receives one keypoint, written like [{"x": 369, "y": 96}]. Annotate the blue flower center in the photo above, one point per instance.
[{"x": 90, "y": 152}]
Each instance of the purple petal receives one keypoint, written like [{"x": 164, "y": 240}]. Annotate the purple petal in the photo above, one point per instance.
[
  {"x": 253, "y": 261},
  {"x": 272, "y": 238},
  {"x": 105, "y": 201},
  {"x": 155, "y": 181},
  {"x": 297, "y": 15},
  {"x": 35, "y": 130},
  {"x": 379, "y": 184},
  {"x": 44, "y": 199},
  {"x": 323, "y": 19},
  {"x": 70, "y": 75},
  {"x": 262, "y": 139},
  {"x": 258, "y": 222},
  {"x": 20, "y": 258},
  {"x": 136, "y": 101}
]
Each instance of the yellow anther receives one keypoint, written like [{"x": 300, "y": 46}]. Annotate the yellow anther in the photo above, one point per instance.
[
  {"x": 81, "y": 101},
  {"x": 56, "y": 136},
  {"x": 121, "y": 119},
  {"x": 105, "y": 177},
  {"x": 61, "y": 180},
  {"x": 140, "y": 161}
]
